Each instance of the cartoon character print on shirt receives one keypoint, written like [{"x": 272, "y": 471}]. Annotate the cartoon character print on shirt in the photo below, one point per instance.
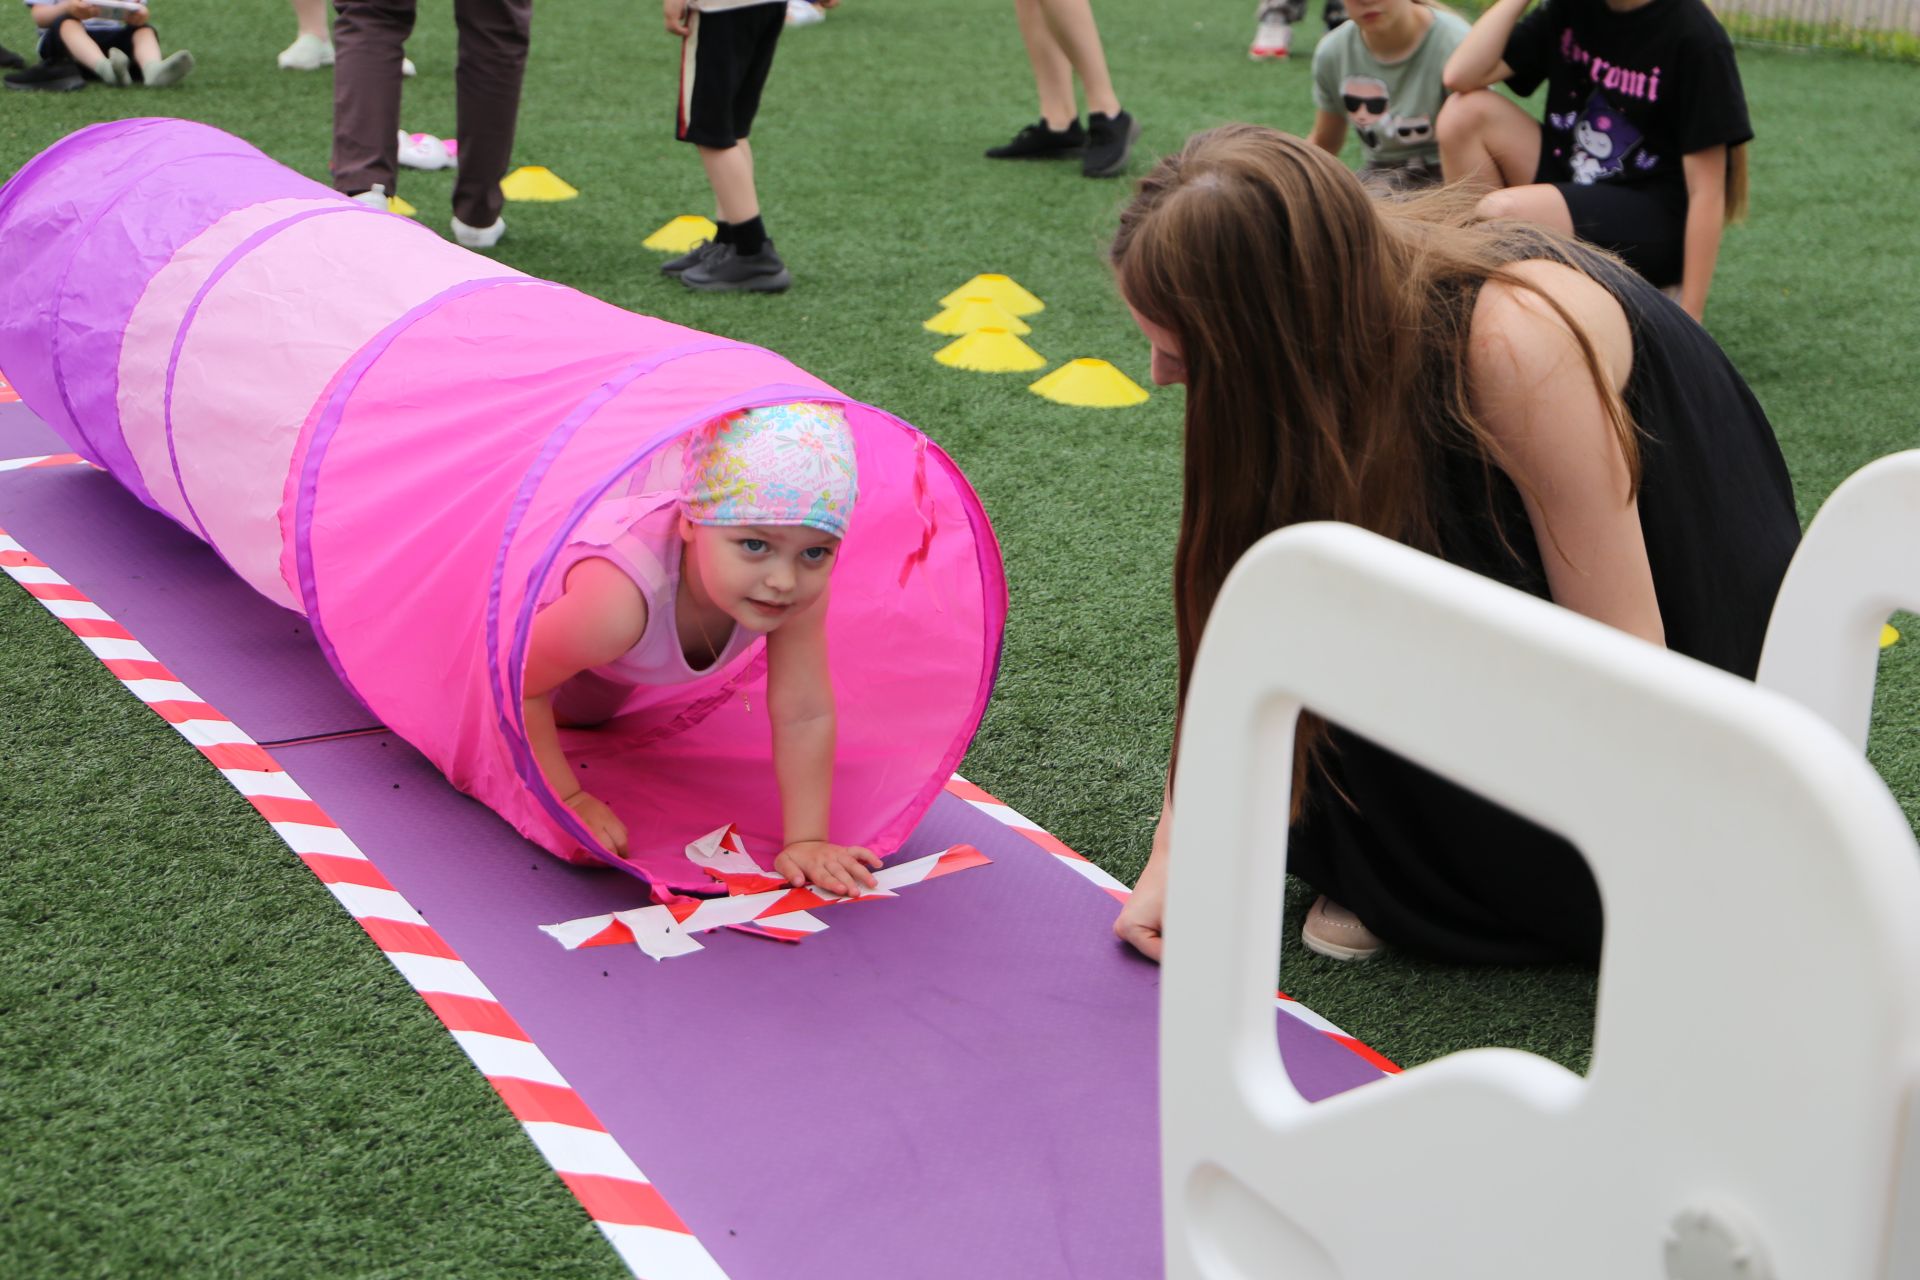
[
  {"x": 1603, "y": 141},
  {"x": 1365, "y": 98},
  {"x": 1411, "y": 131}
]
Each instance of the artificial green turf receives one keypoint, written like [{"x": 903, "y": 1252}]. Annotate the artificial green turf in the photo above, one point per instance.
[{"x": 205, "y": 1068}]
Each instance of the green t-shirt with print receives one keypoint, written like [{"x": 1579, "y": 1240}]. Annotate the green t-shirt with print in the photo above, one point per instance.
[{"x": 1391, "y": 106}]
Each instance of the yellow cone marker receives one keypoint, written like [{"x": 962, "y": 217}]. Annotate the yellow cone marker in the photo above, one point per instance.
[
  {"x": 396, "y": 205},
  {"x": 1093, "y": 384},
  {"x": 1888, "y": 636},
  {"x": 990, "y": 350},
  {"x": 536, "y": 182},
  {"x": 976, "y": 313},
  {"x": 681, "y": 234},
  {"x": 1000, "y": 289}
]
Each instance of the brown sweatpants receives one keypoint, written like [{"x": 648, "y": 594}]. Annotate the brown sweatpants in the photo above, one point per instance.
[{"x": 368, "y": 36}]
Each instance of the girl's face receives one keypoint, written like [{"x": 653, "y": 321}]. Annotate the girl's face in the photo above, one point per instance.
[
  {"x": 1169, "y": 367},
  {"x": 759, "y": 575},
  {"x": 1374, "y": 15}
]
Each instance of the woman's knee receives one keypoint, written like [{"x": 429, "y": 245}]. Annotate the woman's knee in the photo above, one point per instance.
[
  {"x": 1465, "y": 115},
  {"x": 1500, "y": 204},
  {"x": 1539, "y": 203}
]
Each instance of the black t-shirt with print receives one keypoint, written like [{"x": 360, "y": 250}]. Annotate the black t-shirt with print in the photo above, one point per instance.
[{"x": 1628, "y": 94}]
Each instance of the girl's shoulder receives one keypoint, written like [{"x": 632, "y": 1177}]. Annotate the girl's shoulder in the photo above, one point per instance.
[{"x": 1516, "y": 333}]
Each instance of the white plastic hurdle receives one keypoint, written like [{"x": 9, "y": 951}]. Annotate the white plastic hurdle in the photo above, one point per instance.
[
  {"x": 1750, "y": 1108},
  {"x": 1859, "y": 561}
]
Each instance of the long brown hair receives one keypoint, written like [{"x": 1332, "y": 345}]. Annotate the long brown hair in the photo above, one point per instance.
[{"x": 1324, "y": 333}]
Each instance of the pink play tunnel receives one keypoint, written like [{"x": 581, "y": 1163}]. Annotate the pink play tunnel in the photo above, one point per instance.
[{"x": 396, "y": 437}]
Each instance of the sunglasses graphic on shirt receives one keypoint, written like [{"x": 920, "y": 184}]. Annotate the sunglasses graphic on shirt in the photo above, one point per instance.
[
  {"x": 1405, "y": 131},
  {"x": 1374, "y": 106}
]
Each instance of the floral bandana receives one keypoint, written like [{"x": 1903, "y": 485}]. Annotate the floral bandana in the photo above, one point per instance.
[{"x": 784, "y": 464}]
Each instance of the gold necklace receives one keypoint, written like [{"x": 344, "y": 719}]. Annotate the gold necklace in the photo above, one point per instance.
[{"x": 714, "y": 661}]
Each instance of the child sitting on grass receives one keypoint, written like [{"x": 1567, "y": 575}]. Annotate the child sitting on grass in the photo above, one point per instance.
[
  {"x": 114, "y": 43},
  {"x": 668, "y": 588},
  {"x": 1381, "y": 73}
]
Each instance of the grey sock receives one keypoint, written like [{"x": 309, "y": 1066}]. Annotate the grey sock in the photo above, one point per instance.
[
  {"x": 171, "y": 69},
  {"x": 103, "y": 70},
  {"x": 121, "y": 75}
]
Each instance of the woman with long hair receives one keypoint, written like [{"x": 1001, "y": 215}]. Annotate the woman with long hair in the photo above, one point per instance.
[{"x": 1490, "y": 393}]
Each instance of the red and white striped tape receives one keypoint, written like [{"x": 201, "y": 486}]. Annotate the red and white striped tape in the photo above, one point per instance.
[
  {"x": 634, "y": 1217},
  {"x": 667, "y": 929},
  {"x": 49, "y": 460},
  {"x": 1000, "y": 811}
]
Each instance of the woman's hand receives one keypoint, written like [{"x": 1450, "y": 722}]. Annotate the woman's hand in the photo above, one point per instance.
[
  {"x": 839, "y": 869},
  {"x": 600, "y": 821},
  {"x": 1139, "y": 922},
  {"x": 675, "y": 12}
]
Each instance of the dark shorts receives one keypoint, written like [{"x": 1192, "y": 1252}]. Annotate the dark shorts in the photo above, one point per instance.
[
  {"x": 1645, "y": 225},
  {"x": 1398, "y": 179},
  {"x": 53, "y": 49},
  {"x": 723, "y": 67}
]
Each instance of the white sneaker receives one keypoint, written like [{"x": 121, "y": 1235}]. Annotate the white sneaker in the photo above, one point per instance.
[
  {"x": 307, "y": 53},
  {"x": 1272, "y": 35},
  {"x": 478, "y": 237},
  {"x": 804, "y": 13},
  {"x": 407, "y": 69},
  {"x": 423, "y": 151},
  {"x": 376, "y": 198}
]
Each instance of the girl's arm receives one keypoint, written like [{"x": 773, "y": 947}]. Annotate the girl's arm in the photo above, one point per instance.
[
  {"x": 800, "y": 705},
  {"x": 1329, "y": 131},
  {"x": 1480, "y": 58},
  {"x": 1706, "y": 173},
  {"x": 1533, "y": 391},
  {"x": 1146, "y": 907},
  {"x": 599, "y": 616}
]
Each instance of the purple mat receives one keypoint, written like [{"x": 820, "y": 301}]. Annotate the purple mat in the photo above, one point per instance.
[
  {"x": 995, "y": 1042},
  {"x": 23, "y": 435}
]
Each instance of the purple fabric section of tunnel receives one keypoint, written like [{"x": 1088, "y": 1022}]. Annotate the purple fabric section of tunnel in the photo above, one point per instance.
[
  {"x": 78, "y": 319},
  {"x": 990, "y": 1046}
]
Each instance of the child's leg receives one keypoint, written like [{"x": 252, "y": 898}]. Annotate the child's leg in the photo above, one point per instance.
[
  {"x": 311, "y": 17},
  {"x": 155, "y": 71},
  {"x": 1487, "y": 140},
  {"x": 1079, "y": 40},
  {"x": 81, "y": 48},
  {"x": 1052, "y": 72},
  {"x": 730, "y": 174}
]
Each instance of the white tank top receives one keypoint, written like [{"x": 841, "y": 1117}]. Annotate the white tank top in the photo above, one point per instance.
[{"x": 641, "y": 536}]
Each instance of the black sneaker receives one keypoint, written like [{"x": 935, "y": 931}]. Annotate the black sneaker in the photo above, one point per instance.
[
  {"x": 1109, "y": 144},
  {"x": 8, "y": 58},
  {"x": 47, "y": 77},
  {"x": 699, "y": 252},
  {"x": 1037, "y": 142},
  {"x": 727, "y": 270}
]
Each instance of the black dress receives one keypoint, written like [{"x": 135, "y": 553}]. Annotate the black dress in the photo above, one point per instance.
[{"x": 1437, "y": 870}]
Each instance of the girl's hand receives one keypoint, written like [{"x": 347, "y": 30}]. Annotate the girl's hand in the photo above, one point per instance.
[
  {"x": 838, "y": 869},
  {"x": 1139, "y": 922},
  {"x": 676, "y": 15},
  {"x": 81, "y": 9},
  {"x": 600, "y": 821}
]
